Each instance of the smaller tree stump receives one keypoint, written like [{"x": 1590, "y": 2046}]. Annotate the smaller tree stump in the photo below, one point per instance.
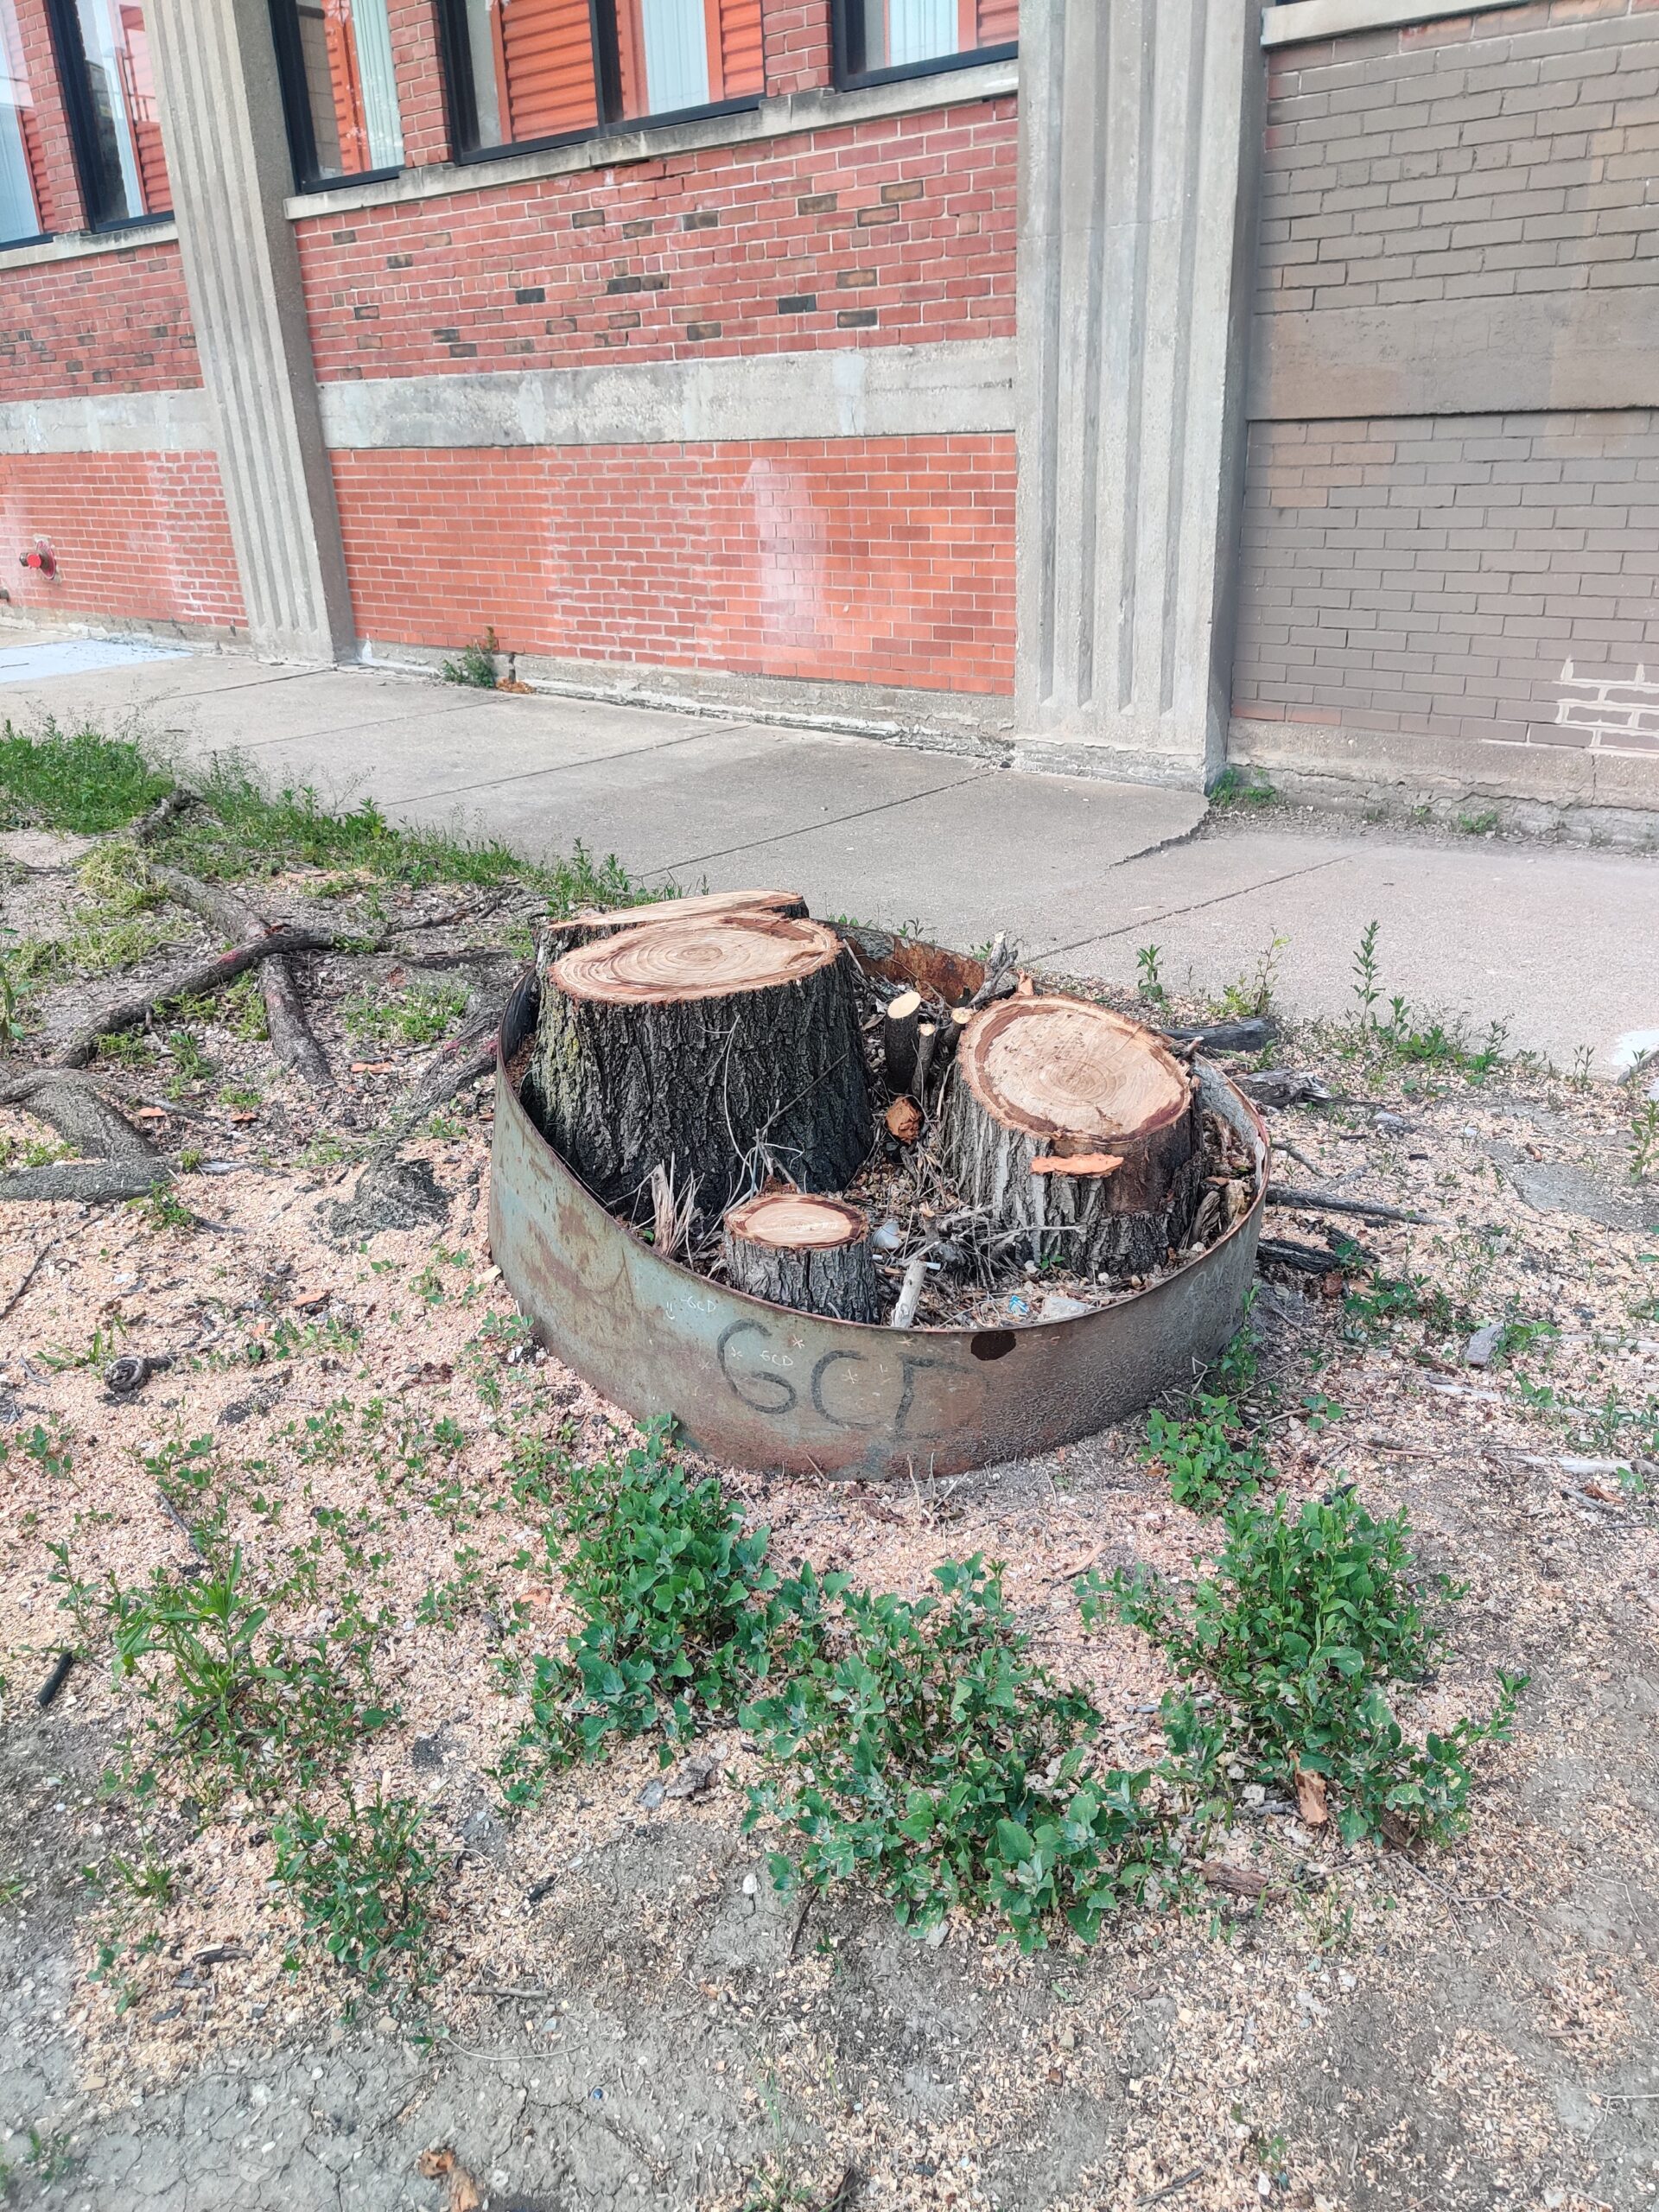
[
  {"x": 903, "y": 1020},
  {"x": 810, "y": 1253},
  {"x": 1066, "y": 1120}
]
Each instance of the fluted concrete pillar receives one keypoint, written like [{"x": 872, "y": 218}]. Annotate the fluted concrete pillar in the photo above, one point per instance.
[
  {"x": 221, "y": 116},
  {"x": 1139, "y": 144}
]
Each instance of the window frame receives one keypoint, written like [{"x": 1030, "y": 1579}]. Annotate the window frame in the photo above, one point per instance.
[
  {"x": 75, "y": 88},
  {"x": 849, "y": 80},
  {"x": 41, "y": 235},
  {"x": 296, "y": 110},
  {"x": 460, "y": 107}
]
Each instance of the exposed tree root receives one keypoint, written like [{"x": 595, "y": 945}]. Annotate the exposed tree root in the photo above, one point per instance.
[
  {"x": 80, "y": 1114},
  {"x": 291, "y": 1037},
  {"x": 198, "y": 981}
]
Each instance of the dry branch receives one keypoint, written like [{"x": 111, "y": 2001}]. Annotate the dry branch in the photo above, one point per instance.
[
  {"x": 291, "y": 1037},
  {"x": 1279, "y": 1194},
  {"x": 198, "y": 981}
]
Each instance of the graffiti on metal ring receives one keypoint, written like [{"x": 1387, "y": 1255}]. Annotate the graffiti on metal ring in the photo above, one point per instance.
[{"x": 765, "y": 1391}]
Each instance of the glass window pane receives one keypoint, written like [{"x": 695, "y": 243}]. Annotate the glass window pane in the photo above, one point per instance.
[
  {"x": 674, "y": 37},
  {"x": 351, "y": 88},
  {"x": 130, "y": 177},
  {"x": 687, "y": 54},
  {"x": 903, "y": 33},
  {"x": 20, "y": 211}
]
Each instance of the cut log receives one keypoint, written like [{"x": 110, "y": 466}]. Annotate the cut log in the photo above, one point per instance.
[
  {"x": 903, "y": 1020},
  {"x": 1070, "y": 1124},
  {"x": 810, "y": 1253},
  {"x": 560, "y": 937},
  {"x": 729, "y": 1048}
]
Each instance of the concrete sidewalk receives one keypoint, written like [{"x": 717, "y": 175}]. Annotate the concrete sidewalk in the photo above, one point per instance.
[{"x": 1562, "y": 944}]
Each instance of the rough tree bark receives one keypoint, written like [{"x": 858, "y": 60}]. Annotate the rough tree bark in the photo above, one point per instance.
[
  {"x": 729, "y": 1048},
  {"x": 1066, "y": 1119},
  {"x": 810, "y": 1253}
]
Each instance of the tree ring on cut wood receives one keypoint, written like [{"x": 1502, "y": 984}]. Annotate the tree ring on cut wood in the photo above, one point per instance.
[
  {"x": 674, "y": 962},
  {"x": 723, "y": 1046},
  {"x": 557, "y": 938},
  {"x": 1037, "y": 1081},
  {"x": 811, "y": 1253}
]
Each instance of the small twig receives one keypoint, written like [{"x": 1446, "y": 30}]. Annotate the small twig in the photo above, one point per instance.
[
  {"x": 1281, "y": 1194},
  {"x": 1171, "y": 2188},
  {"x": 180, "y": 1522},
  {"x": 17, "y": 1297},
  {"x": 151, "y": 825}
]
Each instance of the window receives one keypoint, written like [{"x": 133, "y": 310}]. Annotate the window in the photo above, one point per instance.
[
  {"x": 339, "y": 87},
  {"x": 21, "y": 196},
  {"x": 104, "y": 64},
  {"x": 889, "y": 38},
  {"x": 525, "y": 71}
]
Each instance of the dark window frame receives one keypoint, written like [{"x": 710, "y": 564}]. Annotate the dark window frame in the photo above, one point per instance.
[
  {"x": 847, "y": 59},
  {"x": 461, "y": 106},
  {"x": 296, "y": 110},
  {"x": 76, "y": 85}
]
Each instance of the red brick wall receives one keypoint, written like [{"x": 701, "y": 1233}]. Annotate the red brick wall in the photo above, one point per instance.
[
  {"x": 61, "y": 192},
  {"x": 420, "y": 81},
  {"x": 107, "y": 322},
  {"x": 143, "y": 536},
  {"x": 896, "y": 232},
  {"x": 798, "y": 45},
  {"x": 885, "y": 561}
]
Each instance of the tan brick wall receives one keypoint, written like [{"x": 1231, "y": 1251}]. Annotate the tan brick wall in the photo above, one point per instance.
[
  {"x": 1514, "y": 152},
  {"x": 1435, "y": 576}
]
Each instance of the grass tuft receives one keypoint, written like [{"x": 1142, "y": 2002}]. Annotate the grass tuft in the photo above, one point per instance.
[{"x": 80, "y": 781}]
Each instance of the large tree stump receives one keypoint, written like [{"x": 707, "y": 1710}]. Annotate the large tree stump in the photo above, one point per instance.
[
  {"x": 810, "y": 1253},
  {"x": 727, "y": 1046},
  {"x": 1066, "y": 1120}
]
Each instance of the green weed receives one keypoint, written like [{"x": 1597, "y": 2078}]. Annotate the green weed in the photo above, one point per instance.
[
  {"x": 421, "y": 1015},
  {"x": 919, "y": 1747},
  {"x": 475, "y": 663},
  {"x": 362, "y": 1882},
  {"x": 1237, "y": 786},
  {"x": 80, "y": 781},
  {"x": 1150, "y": 986},
  {"x": 1306, "y": 1621}
]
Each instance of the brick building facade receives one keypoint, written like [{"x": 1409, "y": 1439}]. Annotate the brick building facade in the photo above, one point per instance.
[{"x": 1205, "y": 381}]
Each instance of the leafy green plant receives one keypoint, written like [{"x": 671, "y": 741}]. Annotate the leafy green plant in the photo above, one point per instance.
[
  {"x": 919, "y": 1746},
  {"x": 1249, "y": 996},
  {"x": 1202, "y": 1451},
  {"x": 662, "y": 1576},
  {"x": 1237, "y": 786},
  {"x": 1150, "y": 986},
  {"x": 1644, "y": 1140},
  {"x": 475, "y": 663},
  {"x": 1367, "y": 988},
  {"x": 1372, "y": 1308},
  {"x": 362, "y": 1882},
  {"x": 1307, "y": 1620}
]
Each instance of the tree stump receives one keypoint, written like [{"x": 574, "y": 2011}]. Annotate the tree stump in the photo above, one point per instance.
[
  {"x": 810, "y": 1253},
  {"x": 1066, "y": 1120},
  {"x": 725, "y": 1045},
  {"x": 559, "y": 937}
]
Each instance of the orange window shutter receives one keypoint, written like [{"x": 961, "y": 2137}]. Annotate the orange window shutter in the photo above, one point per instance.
[
  {"x": 34, "y": 156},
  {"x": 346, "y": 86},
  {"x": 547, "y": 52},
  {"x": 630, "y": 56},
  {"x": 996, "y": 22},
  {"x": 736, "y": 53}
]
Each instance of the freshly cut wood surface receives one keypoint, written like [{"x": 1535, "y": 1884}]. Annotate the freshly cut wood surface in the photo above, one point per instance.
[
  {"x": 1040, "y": 1082},
  {"x": 1063, "y": 1067},
  {"x": 558, "y": 938},
  {"x": 676, "y": 962},
  {"x": 810, "y": 1253},
  {"x": 797, "y": 1218}
]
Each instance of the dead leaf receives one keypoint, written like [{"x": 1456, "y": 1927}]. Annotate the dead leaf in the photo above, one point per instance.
[
  {"x": 1237, "y": 1881},
  {"x": 373, "y": 1067},
  {"x": 308, "y": 1300},
  {"x": 150, "y": 1114},
  {"x": 443, "y": 2165},
  {"x": 905, "y": 1120},
  {"x": 1310, "y": 1799},
  {"x": 244, "y": 1117}
]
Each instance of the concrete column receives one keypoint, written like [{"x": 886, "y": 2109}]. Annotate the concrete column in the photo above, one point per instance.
[
  {"x": 1140, "y": 128},
  {"x": 221, "y": 116}
]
